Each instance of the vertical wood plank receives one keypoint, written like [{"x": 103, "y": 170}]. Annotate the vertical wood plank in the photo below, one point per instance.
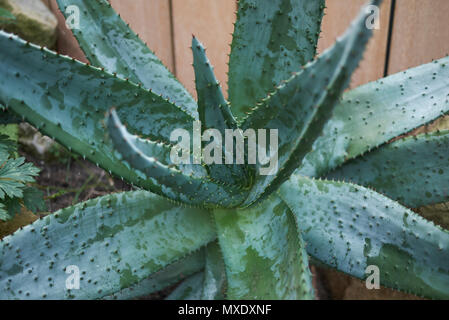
[
  {"x": 338, "y": 16},
  {"x": 150, "y": 19},
  {"x": 420, "y": 33},
  {"x": 211, "y": 21}
]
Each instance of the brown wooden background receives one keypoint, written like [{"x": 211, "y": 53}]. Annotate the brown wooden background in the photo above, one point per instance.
[{"x": 411, "y": 32}]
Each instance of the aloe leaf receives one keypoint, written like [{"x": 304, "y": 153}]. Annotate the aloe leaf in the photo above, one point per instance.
[
  {"x": 172, "y": 182},
  {"x": 114, "y": 241},
  {"x": 214, "y": 113},
  {"x": 67, "y": 100},
  {"x": 301, "y": 106},
  {"x": 349, "y": 227},
  {"x": 189, "y": 289},
  {"x": 377, "y": 112},
  {"x": 164, "y": 278},
  {"x": 214, "y": 282},
  {"x": 161, "y": 151},
  {"x": 263, "y": 252},
  {"x": 108, "y": 42},
  {"x": 413, "y": 170},
  {"x": 271, "y": 39}
]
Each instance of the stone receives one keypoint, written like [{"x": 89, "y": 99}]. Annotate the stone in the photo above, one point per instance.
[
  {"x": 33, "y": 21},
  {"x": 36, "y": 144}
]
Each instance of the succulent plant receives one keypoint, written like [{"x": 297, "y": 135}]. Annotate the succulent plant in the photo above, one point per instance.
[
  {"x": 224, "y": 229},
  {"x": 15, "y": 174}
]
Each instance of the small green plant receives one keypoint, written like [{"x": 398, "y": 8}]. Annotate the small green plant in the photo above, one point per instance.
[
  {"x": 6, "y": 16},
  {"x": 15, "y": 174},
  {"x": 227, "y": 230}
]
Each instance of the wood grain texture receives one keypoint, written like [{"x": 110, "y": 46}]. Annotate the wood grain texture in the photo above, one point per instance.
[
  {"x": 420, "y": 33},
  {"x": 211, "y": 21},
  {"x": 338, "y": 16}
]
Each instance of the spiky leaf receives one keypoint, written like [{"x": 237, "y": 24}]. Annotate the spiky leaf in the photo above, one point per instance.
[
  {"x": 263, "y": 252},
  {"x": 214, "y": 283},
  {"x": 172, "y": 182},
  {"x": 377, "y": 112},
  {"x": 189, "y": 289},
  {"x": 168, "y": 276},
  {"x": 413, "y": 170},
  {"x": 271, "y": 39},
  {"x": 67, "y": 100},
  {"x": 108, "y": 42},
  {"x": 115, "y": 241},
  {"x": 214, "y": 113},
  {"x": 301, "y": 106},
  {"x": 349, "y": 227}
]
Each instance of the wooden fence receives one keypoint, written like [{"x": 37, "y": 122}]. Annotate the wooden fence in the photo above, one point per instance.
[{"x": 411, "y": 32}]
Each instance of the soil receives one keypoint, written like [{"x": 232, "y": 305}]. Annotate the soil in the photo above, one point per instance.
[{"x": 73, "y": 180}]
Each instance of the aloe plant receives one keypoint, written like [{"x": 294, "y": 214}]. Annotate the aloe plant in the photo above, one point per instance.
[{"x": 226, "y": 230}]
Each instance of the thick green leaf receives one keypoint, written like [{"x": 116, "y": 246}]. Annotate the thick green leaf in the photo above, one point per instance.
[
  {"x": 413, "y": 171},
  {"x": 108, "y": 42},
  {"x": 350, "y": 228},
  {"x": 263, "y": 252},
  {"x": 301, "y": 106},
  {"x": 172, "y": 182},
  {"x": 213, "y": 109},
  {"x": 67, "y": 100},
  {"x": 115, "y": 241},
  {"x": 271, "y": 39},
  {"x": 373, "y": 114},
  {"x": 166, "y": 277},
  {"x": 189, "y": 289},
  {"x": 214, "y": 283},
  {"x": 214, "y": 113}
]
